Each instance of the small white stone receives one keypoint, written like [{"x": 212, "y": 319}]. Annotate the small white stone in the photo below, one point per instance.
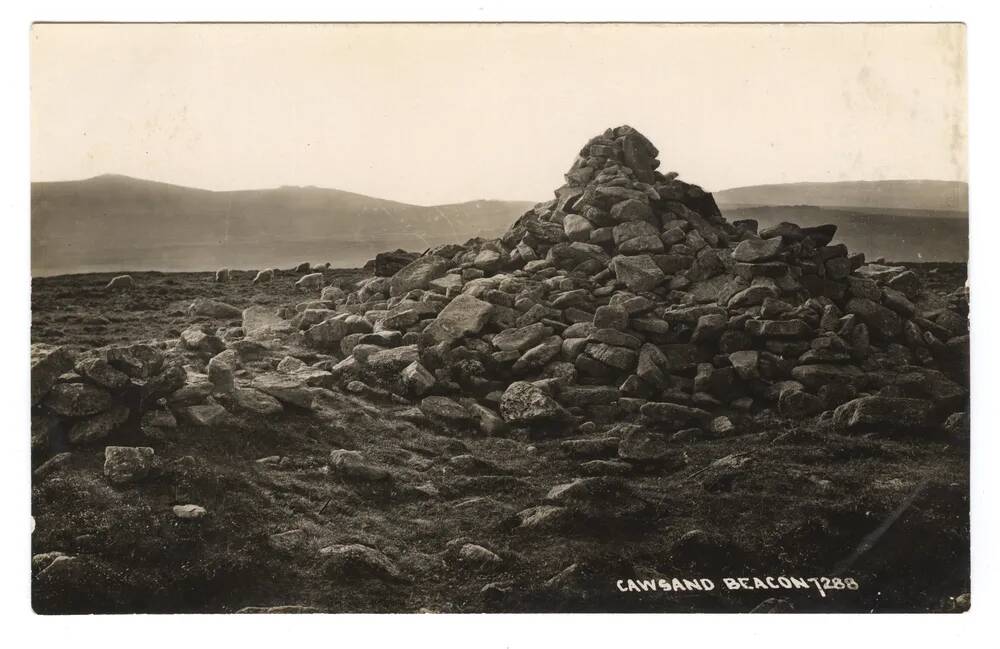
[{"x": 189, "y": 511}]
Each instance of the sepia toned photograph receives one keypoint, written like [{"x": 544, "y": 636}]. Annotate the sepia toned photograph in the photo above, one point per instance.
[{"x": 499, "y": 318}]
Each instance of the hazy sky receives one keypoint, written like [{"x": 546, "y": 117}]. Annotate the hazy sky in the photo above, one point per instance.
[{"x": 445, "y": 113}]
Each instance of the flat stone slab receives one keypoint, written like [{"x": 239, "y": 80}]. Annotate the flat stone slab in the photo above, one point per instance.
[{"x": 264, "y": 323}]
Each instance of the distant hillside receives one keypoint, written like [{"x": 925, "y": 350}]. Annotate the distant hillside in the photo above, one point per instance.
[
  {"x": 925, "y": 195},
  {"x": 113, "y": 223},
  {"x": 117, "y": 222},
  {"x": 896, "y": 236}
]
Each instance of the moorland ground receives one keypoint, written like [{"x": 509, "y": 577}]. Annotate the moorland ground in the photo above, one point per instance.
[{"x": 793, "y": 499}]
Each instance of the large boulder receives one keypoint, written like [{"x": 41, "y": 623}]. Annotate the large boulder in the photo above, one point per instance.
[
  {"x": 640, "y": 445},
  {"x": 95, "y": 366},
  {"x": 882, "y": 321},
  {"x": 99, "y": 426},
  {"x": 577, "y": 228},
  {"x": 789, "y": 232},
  {"x": 256, "y": 402},
  {"x": 77, "y": 399},
  {"x": 526, "y": 403},
  {"x": 746, "y": 363},
  {"x": 521, "y": 338},
  {"x": 169, "y": 380},
  {"x": 934, "y": 386},
  {"x": 813, "y": 377},
  {"x": 447, "y": 410},
  {"x": 390, "y": 362},
  {"x": 489, "y": 261},
  {"x": 311, "y": 317},
  {"x": 464, "y": 315},
  {"x": 387, "y": 264},
  {"x": 205, "y": 415},
  {"x": 639, "y": 273},
  {"x": 195, "y": 339},
  {"x": 331, "y": 294},
  {"x": 292, "y": 389},
  {"x": 797, "y": 404},
  {"x": 222, "y": 371},
  {"x": 358, "y": 561},
  {"x": 620, "y": 358},
  {"x": 264, "y": 323},
  {"x": 138, "y": 361},
  {"x": 639, "y": 154},
  {"x": 417, "y": 274},
  {"x": 754, "y": 250},
  {"x": 883, "y": 414},
  {"x": 417, "y": 379},
  {"x": 637, "y": 237},
  {"x": 578, "y": 255},
  {"x": 538, "y": 356},
  {"x": 47, "y": 363},
  {"x": 327, "y": 334},
  {"x": 631, "y": 209}
]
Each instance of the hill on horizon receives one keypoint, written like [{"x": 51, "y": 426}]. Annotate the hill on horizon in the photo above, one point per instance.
[
  {"x": 117, "y": 223},
  {"x": 921, "y": 195}
]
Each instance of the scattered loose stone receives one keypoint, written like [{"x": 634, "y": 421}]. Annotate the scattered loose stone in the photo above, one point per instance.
[
  {"x": 884, "y": 414},
  {"x": 51, "y": 465},
  {"x": 641, "y": 445},
  {"x": 478, "y": 555},
  {"x": 125, "y": 464},
  {"x": 189, "y": 512},
  {"x": 356, "y": 560},
  {"x": 206, "y": 415},
  {"x": 287, "y": 542},
  {"x": 221, "y": 371},
  {"x": 446, "y": 410},
  {"x": 257, "y": 402},
  {"x": 291, "y": 389},
  {"x": 351, "y": 466}
]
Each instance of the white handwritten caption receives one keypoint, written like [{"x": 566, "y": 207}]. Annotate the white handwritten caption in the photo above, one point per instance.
[{"x": 675, "y": 585}]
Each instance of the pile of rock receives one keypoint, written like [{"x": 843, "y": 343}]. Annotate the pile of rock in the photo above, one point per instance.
[
  {"x": 626, "y": 298},
  {"x": 82, "y": 399},
  {"x": 629, "y": 295}
]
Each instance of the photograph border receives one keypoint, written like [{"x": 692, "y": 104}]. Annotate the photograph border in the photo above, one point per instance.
[{"x": 524, "y": 629}]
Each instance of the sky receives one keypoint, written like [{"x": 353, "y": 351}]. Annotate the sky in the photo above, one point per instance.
[{"x": 432, "y": 114}]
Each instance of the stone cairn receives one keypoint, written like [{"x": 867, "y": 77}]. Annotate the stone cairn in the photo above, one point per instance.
[
  {"x": 629, "y": 296},
  {"x": 80, "y": 400},
  {"x": 627, "y": 299}
]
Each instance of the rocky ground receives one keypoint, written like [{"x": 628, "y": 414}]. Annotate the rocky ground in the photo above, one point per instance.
[{"x": 623, "y": 390}]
